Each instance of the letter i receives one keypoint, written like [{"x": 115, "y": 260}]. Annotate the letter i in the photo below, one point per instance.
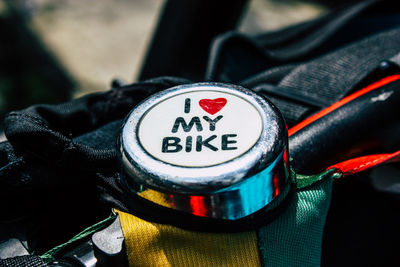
[
  {"x": 187, "y": 105},
  {"x": 188, "y": 144}
]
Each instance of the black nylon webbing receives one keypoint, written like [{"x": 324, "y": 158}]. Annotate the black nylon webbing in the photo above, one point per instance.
[
  {"x": 334, "y": 75},
  {"x": 331, "y": 76},
  {"x": 23, "y": 261},
  {"x": 327, "y": 79},
  {"x": 290, "y": 111}
]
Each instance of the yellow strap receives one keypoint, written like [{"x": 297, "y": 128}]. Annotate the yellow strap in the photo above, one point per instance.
[{"x": 152, "y": 244}]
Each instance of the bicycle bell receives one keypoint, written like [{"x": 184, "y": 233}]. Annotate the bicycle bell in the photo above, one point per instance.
[{"x": 208, "y": 149}]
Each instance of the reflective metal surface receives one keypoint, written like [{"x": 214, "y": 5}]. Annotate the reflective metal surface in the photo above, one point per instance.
[{"x": 230, "y": 189}]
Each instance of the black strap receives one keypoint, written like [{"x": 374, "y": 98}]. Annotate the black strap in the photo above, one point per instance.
[
  {"x": 230, "y": 51},
  {"x": 325, "y": 80},
  {"x": 334, "y": 75},
  {"x": 331, "y": 76},
  {"x": 23, "y": 261}
]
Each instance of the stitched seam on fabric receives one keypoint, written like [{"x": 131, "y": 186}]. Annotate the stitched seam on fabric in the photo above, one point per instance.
[{"x": 366, "y": 164}]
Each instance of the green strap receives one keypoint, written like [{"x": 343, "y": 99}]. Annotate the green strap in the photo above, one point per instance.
[
  {"x": 49, "y": 255},
  {"x": 304, "y": 181},
  {"x": 295, "y": 237}
]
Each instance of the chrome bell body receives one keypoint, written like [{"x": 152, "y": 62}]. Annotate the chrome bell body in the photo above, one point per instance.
[{"x": 207, "y": 149}]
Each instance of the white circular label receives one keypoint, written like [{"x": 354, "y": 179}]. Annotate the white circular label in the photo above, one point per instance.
[{"x": 199, "y": 129}]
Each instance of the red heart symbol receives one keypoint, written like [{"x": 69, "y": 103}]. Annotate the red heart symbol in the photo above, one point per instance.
[{"x": 212, "y": 106}]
